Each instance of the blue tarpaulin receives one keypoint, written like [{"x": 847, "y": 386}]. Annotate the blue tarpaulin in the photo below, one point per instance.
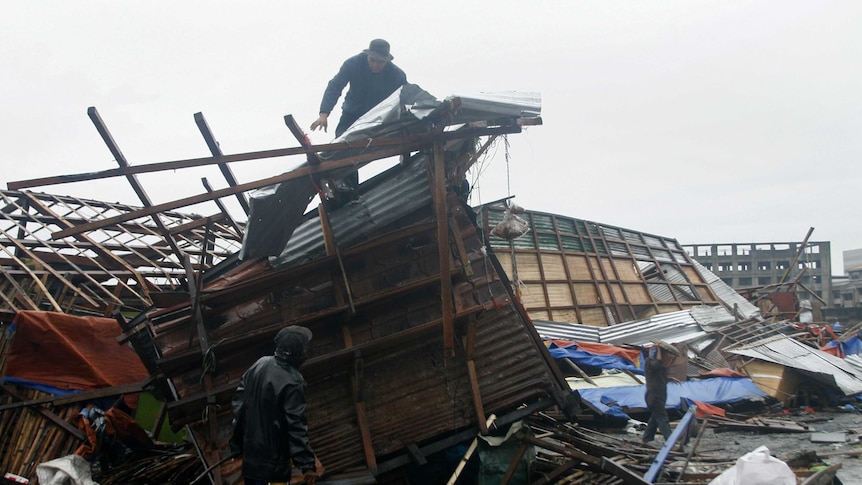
[
  {"x": 587, "y": 359},
  {"x": 716, "y": 390},
  {"x": 851, "y": 346},
  {"x": 56, "y": 391}
]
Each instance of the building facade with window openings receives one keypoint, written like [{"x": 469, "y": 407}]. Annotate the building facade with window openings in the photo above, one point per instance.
[
  {"x": 756, "y": 265},
  {"x": 577, "y": 271}
]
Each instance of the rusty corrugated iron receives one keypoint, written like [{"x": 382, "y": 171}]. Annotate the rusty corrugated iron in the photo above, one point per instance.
[{"x": 380, "y": 380}]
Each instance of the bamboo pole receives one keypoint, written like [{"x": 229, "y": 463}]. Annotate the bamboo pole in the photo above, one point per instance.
[{"x": 469, "y": 453}]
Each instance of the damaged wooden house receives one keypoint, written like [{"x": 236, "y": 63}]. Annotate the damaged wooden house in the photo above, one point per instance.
[
  {"x": 418, "y": 339},
  {"x": 432, "y": 325}
]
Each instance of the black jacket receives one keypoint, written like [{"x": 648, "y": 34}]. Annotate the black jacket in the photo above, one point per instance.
[
  {"x": 270, "y": 428},
  {"x": 656, "y": 384},
  {"x": 367, "y": 89}
]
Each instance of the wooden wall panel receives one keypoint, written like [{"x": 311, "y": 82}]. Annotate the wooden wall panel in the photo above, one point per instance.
[
  {"x": 638, "y": 294},
  {"x": 528, "y": 266},
  {"x": 533, "y": 296},
  {"x": 538, "y": 315},
  {"x": 618, "y": 292},
  {"x": 578, "y": 268},
  {"x": 560, "y": 294},
  {"x": 594, "y": 316},
  {"x": 609, "y": 269},
  {"x": 626, "y": 269},
  {"x": 586, "y": 294},
  {"x": 605, "y": 294},
  {"x": 692, "y": 274},
  {"x": 552, "y": 264},
  {"x": 565, "y": 316}
]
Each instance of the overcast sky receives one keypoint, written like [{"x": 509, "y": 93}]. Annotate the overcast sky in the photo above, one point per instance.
[{"x": 704, "y": 121}]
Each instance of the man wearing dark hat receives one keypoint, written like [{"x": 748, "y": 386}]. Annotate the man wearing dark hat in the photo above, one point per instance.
[
  {"x": 269, "y": 428},
  {"x": 372, "y": 77}
]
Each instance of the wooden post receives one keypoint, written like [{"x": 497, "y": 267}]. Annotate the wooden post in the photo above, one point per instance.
[{"x": 443, "y": 247}]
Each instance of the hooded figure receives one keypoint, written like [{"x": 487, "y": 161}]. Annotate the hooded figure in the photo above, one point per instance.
[{"x": 270, "y": 429}]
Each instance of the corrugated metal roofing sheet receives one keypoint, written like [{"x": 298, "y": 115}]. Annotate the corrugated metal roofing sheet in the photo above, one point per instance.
[
  {"x": 568, "y": 331},
  {"x": 674, "y": 327},
  {"x": 671, "y": 327},
  {"x": 823, "y": 367},
  {"x": 727, "y": 294},
  {"x": 855, "y": 361},
  {"x": 407, "y": 191}
]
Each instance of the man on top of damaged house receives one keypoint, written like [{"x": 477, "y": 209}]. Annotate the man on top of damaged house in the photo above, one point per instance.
[
  {"x": 270, "y": 429},
  {"x": 372, "y": 77}
]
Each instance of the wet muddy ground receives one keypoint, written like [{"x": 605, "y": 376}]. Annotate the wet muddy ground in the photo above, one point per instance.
[{"x": 784, "y": 445}]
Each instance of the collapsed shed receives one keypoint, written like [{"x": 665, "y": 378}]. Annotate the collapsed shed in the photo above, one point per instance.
[{"x": 418, "y": 338}]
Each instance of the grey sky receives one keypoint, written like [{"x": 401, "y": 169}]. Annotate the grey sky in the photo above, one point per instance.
[{"x": 705, "y": 121}]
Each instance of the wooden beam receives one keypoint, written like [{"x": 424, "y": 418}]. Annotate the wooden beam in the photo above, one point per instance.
[
  {"x": 133, "y": 180},
  {"x": 420, "y": 140},
  {"x": 196, "y": 199},
  {"x": 118, "y": 390},
  {"x": 442, "y": 216},
  {"x": 332, "y": 249},
  {"x": 302, "y": 138},
  {"x": 35, "y": 279},
  {"x": 462, "y": 250},
  {"x": 478, "y": 407},
  {"x": 215, "y": 149},
  {"x": 48, "y": 414},
  {"x": 222, "y": 208},
  {"x": 161, "y": 414},
  {"x": 357, "y": 382}
]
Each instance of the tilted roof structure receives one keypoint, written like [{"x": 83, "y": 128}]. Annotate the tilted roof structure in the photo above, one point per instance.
[{"x": 418, "y": 339}]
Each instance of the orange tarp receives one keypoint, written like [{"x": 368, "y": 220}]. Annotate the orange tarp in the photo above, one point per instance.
[
  {"x": 69, "y": 352},
  {"x": 632, "y": 355}
]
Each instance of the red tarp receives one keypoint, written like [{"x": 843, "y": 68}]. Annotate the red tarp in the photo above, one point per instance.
[
  {"x": 723, "y": 372},
  {"x": 69, "y": 352},
  {"x": 704, "y": 410}
]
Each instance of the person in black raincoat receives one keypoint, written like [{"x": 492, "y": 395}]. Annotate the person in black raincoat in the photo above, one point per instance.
[{"x": 270, "y": 429}]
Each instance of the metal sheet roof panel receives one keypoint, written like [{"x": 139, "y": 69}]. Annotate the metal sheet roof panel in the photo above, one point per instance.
[{"x": 824, "y": 367}]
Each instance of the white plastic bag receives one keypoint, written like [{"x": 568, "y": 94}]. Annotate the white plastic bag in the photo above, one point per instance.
[
  {"x": 757, "y": 468},
  {"x": 512, "y": 226},
  {"x": 67, "y": 470}
]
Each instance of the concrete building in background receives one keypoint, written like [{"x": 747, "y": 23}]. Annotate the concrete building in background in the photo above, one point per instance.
[
  {"x": 762, "y": 264},
  {"x": 847, "y": 290},
  {"x": 852, "y": 260}
]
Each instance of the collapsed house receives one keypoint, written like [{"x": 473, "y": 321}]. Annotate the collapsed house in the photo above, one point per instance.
[
  {"x": 428, "y": 329},
  {"x": 405, "y": 303}
]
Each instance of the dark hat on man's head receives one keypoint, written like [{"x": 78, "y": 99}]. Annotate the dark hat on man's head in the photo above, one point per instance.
[
  {"x": 292, "y": 341},
  {"x": 379, "y": 48}
]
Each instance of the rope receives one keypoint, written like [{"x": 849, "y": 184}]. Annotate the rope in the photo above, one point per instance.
[{"x": 508, "y": 178}]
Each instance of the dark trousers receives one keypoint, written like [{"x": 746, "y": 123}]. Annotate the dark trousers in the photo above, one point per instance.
[
  {"x": 658, "y": 420},
  {"x": 344, "y": 123}
]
